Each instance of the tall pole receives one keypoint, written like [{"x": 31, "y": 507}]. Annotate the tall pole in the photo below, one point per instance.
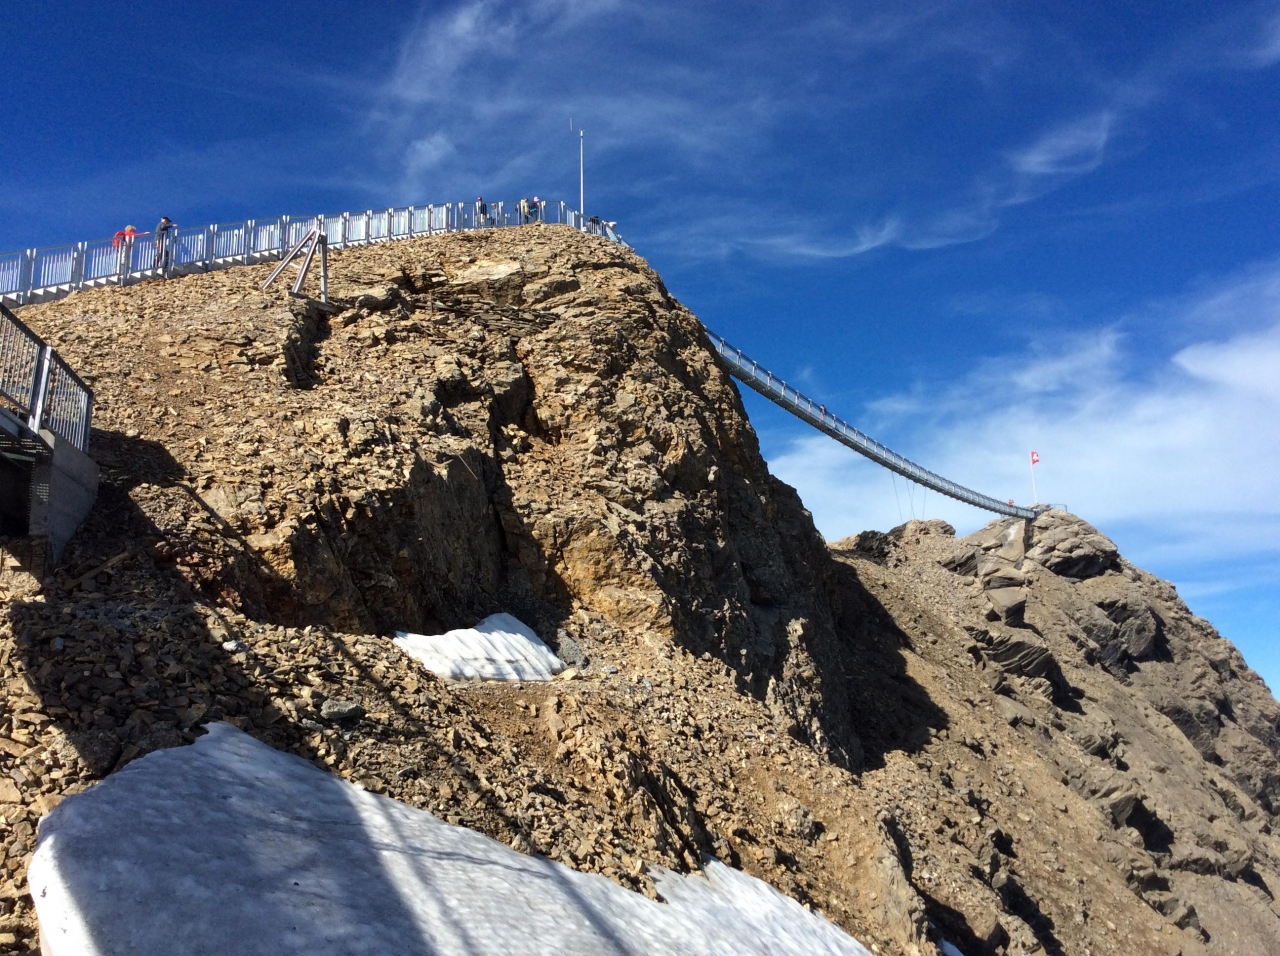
[
  {"x": 582, "y": 201},
  {"x": 1034, "y": 494}
]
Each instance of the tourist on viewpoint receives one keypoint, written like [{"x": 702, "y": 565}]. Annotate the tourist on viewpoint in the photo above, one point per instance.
[
  {"x": 122, "y": 242},
  {"x": 482, "y": 213},
  {"x": 164, "y": 244}
]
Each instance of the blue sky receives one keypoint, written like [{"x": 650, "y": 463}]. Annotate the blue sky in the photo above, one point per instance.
[{"x": 971, "y": 229}]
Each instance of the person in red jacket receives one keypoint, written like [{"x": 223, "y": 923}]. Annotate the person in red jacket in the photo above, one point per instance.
[{"x": 122, "y": 241}]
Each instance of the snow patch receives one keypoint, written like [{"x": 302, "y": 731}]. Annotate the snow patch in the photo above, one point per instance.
[
  {"x": 229, "y": 846},
  {"x": 500, "y": 647}
]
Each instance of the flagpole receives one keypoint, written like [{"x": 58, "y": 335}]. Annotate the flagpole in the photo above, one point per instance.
[
  {"x": 1034, "y": 494},
  {"x": 582, "y": 202}
]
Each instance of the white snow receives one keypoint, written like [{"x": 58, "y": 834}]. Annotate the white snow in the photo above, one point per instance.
[
  {"x": 229, "y": 846},
  {"x": 500, "y": 647}
]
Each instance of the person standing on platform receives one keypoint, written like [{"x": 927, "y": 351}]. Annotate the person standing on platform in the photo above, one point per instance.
[
  {"x": 164, "y": 244},
  {"x": 122, "y": 242}
]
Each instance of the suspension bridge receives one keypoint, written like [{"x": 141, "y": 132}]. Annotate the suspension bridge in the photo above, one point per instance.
[{"x": 49, "y": 482}]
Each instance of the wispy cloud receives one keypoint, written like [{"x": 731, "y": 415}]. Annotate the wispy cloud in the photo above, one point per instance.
[
  {"x": 1072, "y": 149},
  {"x": 1265, "y": 51}
]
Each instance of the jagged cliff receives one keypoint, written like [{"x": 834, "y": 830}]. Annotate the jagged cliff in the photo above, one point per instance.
[{"x": 1016, "y": 741}]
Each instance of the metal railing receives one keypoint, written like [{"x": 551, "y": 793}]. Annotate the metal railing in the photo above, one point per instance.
[
  {"x": 20, "y": 362},
  {"x": 760, "y": 379},
  {"x": 38, "y": 275},
  {"x": 39, "y": 387}
]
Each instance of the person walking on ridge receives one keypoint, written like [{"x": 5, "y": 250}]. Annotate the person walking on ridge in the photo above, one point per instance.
[
  {"x": 524, "y": 210},
  {"x": 122, "y": 242},
  {"x": 482, "y": 213},
  {"x": 164, "y": 244}
]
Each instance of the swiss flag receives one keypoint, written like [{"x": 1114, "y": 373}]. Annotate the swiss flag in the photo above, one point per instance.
[{"x": 1035, "y": 458}]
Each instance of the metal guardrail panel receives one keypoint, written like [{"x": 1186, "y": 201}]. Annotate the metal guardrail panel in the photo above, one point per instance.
[
  {"x": 39, "y": 386},
  {"x": 68, "y": 404},
  {"x": 20, "y": 355}
]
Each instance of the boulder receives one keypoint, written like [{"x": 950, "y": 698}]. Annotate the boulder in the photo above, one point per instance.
[
  {"x": 1007, "y": 604},
  {"x": 1067, "y": 546},
  {"x": 994, "y": 574}
]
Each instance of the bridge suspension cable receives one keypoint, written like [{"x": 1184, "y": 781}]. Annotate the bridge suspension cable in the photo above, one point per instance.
[{"x": 755, "y": 376}]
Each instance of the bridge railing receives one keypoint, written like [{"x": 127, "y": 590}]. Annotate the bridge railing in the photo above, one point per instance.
[
  {"x": 39, "y": 387},
  {"x": 33, "y": 275},
  {"x": 776, "y": 390},
  {"x": 20, "y": 357}
]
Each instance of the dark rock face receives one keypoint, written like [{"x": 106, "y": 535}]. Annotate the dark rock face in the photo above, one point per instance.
[{"x": 1141, "y": 632}]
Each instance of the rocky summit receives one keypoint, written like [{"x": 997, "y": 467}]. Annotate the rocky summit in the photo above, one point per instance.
[{"x": 1013, "y": 742}]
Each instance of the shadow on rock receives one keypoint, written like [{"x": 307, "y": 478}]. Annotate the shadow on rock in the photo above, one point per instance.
[{"x": 865, "y": 674}]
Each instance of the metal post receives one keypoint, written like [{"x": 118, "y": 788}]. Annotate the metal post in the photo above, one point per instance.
[
  {"x": 324, "y": 268},
  {"x": 582, "y": 201},
  {"x": 24, "y": 277},
  {"x": 77, "y": 264},
  {"x": 86, "y": 420},
  {"x": 39, "y": 388}
]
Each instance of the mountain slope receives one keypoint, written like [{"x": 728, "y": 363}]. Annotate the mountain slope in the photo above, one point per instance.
[{"x": 1015, "y": 742}]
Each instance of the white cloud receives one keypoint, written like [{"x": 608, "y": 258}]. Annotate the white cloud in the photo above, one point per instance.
[
  {"x": 1249, "y": 364},
  {"x": 1069, "y": 150},
  {"x": 427, "y": 153},
  {"x": 801, "y": 242},
  {"x": 1267, "y": 51}
]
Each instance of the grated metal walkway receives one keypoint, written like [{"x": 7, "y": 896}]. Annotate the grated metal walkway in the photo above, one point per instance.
[{"x": 752, "y": 374}]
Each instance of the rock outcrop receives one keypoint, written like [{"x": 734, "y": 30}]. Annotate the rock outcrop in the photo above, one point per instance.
[{"x": 1016, "y": 742}]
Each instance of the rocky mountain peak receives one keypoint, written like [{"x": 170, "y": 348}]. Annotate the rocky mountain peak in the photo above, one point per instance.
[{"x": 1013, "y": 742}]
